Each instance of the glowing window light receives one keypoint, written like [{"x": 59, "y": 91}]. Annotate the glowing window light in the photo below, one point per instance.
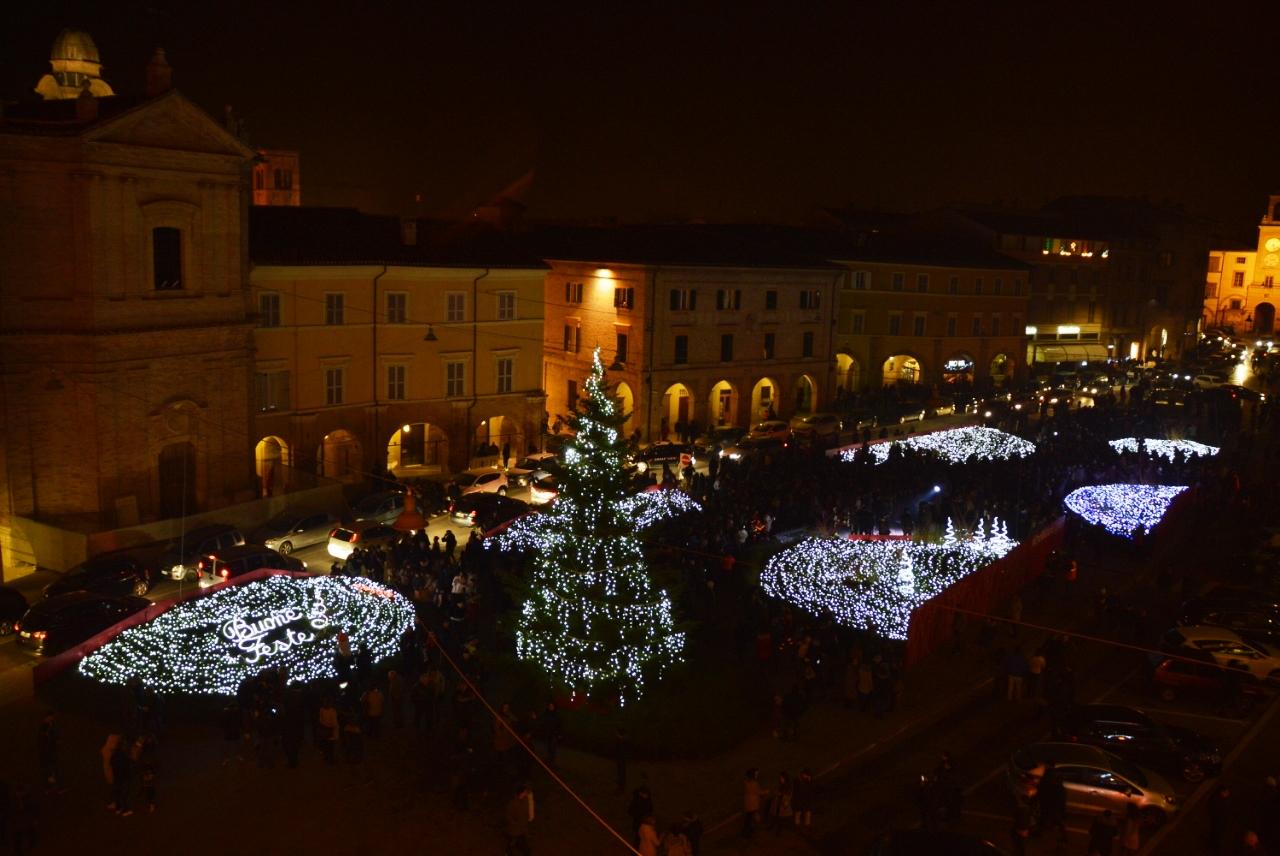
[
  {"x": 1166, "y": 448},
  {"x": 210, "y": 645},
  {"x": 956, "y": 445},
  {"x": 1123, "y": 508},
  {"x": 875, "y": 584}
]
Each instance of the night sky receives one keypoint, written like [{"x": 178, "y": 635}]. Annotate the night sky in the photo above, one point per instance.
[{"x": 718, "y": 111}]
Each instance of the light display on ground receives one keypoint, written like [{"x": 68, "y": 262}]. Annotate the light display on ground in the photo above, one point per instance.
[
  {"x": 1166, "y": 448},
  {"x": 875, "y": 584},
  {"x": 957, "y": 445},
  {"x": 645, "y": 509},
  {"x": 210, "y": 645},
  {"x": 1122, "y": 509}
]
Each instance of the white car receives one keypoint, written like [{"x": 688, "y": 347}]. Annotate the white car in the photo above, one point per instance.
[
  {"x": 481, "y": 480},
  {"x": 345, "y": 540},
  {"x": 542, "y": 488},
  {"x": 1208, "y": 381},
  {"x": 523, "y": 473},
  {"x": 775, "y": 428},
  {"x": 1229, "y": 648}
]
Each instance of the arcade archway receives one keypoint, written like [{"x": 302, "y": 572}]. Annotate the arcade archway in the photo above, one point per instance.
[
  {"x": 497, "y": 433},
  {"x": 339, "y": 456},
  {"x": 627, "y": 404},
  {"x": 1001, "y": 369},
  {"x": 806, "y": 391},
  {"x": 848, "y": 373},
  {"x": 1264, "y": 318},
  {"x": 271, "y": 459},
  {"x": 901, "y": 368},
  {"x": 764, "y": 397},
  {"x": 677, "y": 409},
  {"x": 417, "y": 445},
  {"x": 723, "y": 404}
]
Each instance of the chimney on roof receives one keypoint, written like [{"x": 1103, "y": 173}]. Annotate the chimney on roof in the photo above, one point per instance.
[
  {"x": 159, "y": 74},
  {"x": 86, "y": 104},
  {"x": 408, "y": 231}
]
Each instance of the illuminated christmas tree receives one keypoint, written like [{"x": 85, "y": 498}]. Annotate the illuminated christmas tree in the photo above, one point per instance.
[{"x": 592, "y": 618}]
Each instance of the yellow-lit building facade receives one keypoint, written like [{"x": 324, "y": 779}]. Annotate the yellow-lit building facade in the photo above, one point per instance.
[
  {"x": 691, "y": 345},
  {"x": 902, "y": 322},
  {"x": 412, "y": 370},
  {"x": 1240, "y": 288}
]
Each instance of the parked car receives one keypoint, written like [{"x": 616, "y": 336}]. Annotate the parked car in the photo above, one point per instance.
[
  {"x": 718, "y": 438},
  {"x": 932, "y": 842},
  {"x": 1261, "y": 623},
  {"x": 1131, "y": 734},
  {"x": 994, "y": 412},
  {"x": 1167, "y": 397},
  {"x": 291, "y": 530},
  {"x": 345, "y": 540},
  {"x": 543, "y": 489},
  {"x": 665, "y": 452},
  {"x": 1174, "y": 677},
  {"x": 857, "y": 420},
  {"x": 236, "y": 561},
  {"x": 183, "y": 553},
  {"x": 522, "y": 473},
  {"x": 63, "y": 621},
  {"x": 478, "y": 480},
  {"x": 381, "y": 507},
  {"x": 1208, "y": 381},
  {"x": 901, "y": 414},
  {"x": 820, "y": 425},
  {"x": 1228, "y": 649},
  {"x": 749, "y": 447},
  {"x": 115, "y": 573},
  {"x": 774, "y": 428},
  {"x": 941, "y": 406},
  {"x": 1243, "y": 393},
  {"x": 13, "y": 605},
  {"x": 1095, "y": 780},
  {"x": 486, "y": 510}
]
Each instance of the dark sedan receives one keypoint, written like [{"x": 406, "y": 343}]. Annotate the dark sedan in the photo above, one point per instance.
[
  {"x": 1257, "y": 621},
  {"x": 58, "y": 623},
  {"x": 111, "y": 573},
  {"x": 486, "y": 510},
  {"x": 1131, "y": 734}
]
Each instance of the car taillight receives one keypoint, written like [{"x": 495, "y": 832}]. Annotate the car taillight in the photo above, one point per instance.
[
  {"x": 17, "y": 627},
  {"x": 333, "y": 532},
  {"x": 226, "y": 572},
  {"x": 355, "y": 536},
  {"x": 39, "y": 634},
  {"x": 200, "y": 569}
]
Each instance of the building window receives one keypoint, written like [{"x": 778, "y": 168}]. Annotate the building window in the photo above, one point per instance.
[
  {"x": 895, "y": 324},
  {"x": 395, "y": 383},
  {"x": 568, "y": 338},
  {"x": 455, "y": 307},
  {"x": 506, "y": 306},
  {"x": 953, "y": 285},
  {"x": 284, "y": 179},
  {"x": 995, "y": 321},
  {"x": 726, "y": 347},
  {"x": 1215, "y": 264},
  {"x": 1017, "y": 286},
  {"x": 397, "y": 307},
  {"x": 624, "y": 297},
  {"x": 997, "y": 286},
  {"x": 571, "y": 395},
  {"x": 455, "y": 373},
  {"x": 259, "y": 180},
  {"x": 917, "y": 325},
  {"x": 573, "y": 292},
  {"x": 621, "y": 350},
  {"x": 1166, "y": 259},
  {"x": 771, "y": 299},
  {"x": 1235, "y": 303},
  {"x": 810, "y": 299},
  {"x": 977, "y": 285},
  {"x": 769, "y": 339},
  {"x": 859, "y": 322},
  {"x": 977, "y": 325},
  {"x": 269, "y": 309},
  {"x": 682, "y": 350},
  {"x": 861, "y": 279},
  {"x": 166, "y": 258},
  {"x": 272, "y": 390},
  {"x": 506, "y": 374},
  {"x": 898, "y": 280},
  {"x": 1268, "y": 281},
  {"x": 922, "y": 282},
  {"x": 728, "y": 298},
  {"x": 1210, "y": 289},
  {"x": 333, "y": 385},
  {"x": 951, "y": 325},
  {"x": 334, "y": 308},
  {"x": 1237, "y": 279},
  {"x": 806, "y": 344},
  {"x": 684, "y": 298},
  {"x": 1241, "y": 260}
]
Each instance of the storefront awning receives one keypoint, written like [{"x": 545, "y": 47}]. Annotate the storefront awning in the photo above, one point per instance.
[{"x": 1070, "y": 353}]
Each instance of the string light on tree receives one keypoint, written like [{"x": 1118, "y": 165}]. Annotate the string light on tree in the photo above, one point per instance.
[
  {"x": 645, "y": 509},
  {"x": 1122, "y": 509},
  {"x": 592, "y": 618},
  {"x": 863, "y": 584},
  {"x": 1166, "y": 448},
  {"x": 955, "y": 446},
  {"x": 210, "y": 645}
]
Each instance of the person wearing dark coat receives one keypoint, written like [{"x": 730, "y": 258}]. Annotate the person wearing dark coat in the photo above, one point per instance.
[{"x": 640, "y": 808}]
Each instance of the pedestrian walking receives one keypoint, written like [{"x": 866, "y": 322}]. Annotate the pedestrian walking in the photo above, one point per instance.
[
  {"x": 781, "y": 812},
  {"x": 751, "y": 797},
  {"x": 122, "y": 777},
  {"x": 1052, "y": 795},
  {"x": 641, "y": 807},
  {"x": 802, "y": 800},
  {"x": 1102, "y": 835},
  {"x": 692, "y": 826}
]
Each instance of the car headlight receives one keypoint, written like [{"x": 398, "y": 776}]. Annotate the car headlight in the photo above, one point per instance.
[{"x": 987, "y": 414}]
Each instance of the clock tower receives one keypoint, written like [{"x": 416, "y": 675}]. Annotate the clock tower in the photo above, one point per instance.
[{"x": 1269, "y": 240}]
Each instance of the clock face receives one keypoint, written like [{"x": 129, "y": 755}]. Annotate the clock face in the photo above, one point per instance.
[
  {"x": 1272, "y": 245},
  {"x": 1271, "y": 260}
]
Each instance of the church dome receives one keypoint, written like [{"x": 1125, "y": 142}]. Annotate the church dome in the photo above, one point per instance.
[{"x": 74, "y": 45}]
